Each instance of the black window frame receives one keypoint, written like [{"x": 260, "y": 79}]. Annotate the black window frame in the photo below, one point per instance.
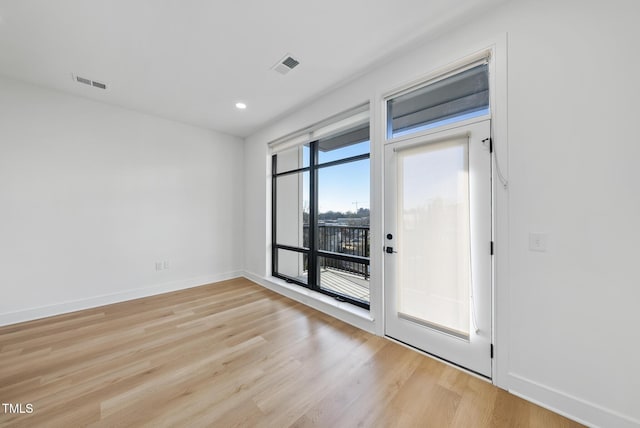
[{"x": 313, "y": 253}]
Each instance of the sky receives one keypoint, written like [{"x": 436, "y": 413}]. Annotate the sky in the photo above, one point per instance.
[{"x": 340, "y": 187}]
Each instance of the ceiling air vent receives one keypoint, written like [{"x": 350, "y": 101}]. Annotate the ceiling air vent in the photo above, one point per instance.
[
  {"x": 89, "y": 82},
  {"x": 286, "y": 64}
]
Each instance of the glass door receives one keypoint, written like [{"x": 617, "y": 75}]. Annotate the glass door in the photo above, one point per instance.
[{"x": 438, "y": 244}]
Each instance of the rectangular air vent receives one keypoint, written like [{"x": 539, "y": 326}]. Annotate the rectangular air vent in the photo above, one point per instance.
[
  {"x": 290, "y": 62},
  {"x": 286, "y": 64},
  {"x": 88, "y": 82},
  {"x": 83, "y": 80}
]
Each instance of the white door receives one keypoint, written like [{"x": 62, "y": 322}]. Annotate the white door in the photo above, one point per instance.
[{"x": 438, "y": 244}]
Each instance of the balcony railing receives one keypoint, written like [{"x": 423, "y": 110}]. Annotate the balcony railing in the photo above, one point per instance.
[{"x": 350, "y": 240}]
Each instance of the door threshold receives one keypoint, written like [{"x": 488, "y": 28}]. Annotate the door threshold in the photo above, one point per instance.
[{"x": 442, "y": 360}]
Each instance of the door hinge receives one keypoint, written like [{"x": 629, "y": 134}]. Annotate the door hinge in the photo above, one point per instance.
[
  {"x": 492, "y": 350},
  {"x": 490, "y": 141},
  {"x": 491, "y": 247}
]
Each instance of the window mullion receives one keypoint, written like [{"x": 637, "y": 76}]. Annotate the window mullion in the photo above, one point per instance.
[
  {"x": 313, "y": 217},
  {"x": 274, "y": 213}
]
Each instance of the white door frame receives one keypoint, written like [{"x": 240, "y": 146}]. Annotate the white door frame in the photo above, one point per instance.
[{"x": 496, "y": 48}]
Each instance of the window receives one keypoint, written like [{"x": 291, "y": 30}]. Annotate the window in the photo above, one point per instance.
[
  {"x": 454, "y": 98},
  {"x": 320, "y": 218}
]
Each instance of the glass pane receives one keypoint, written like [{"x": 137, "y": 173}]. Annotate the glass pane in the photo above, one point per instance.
[
  {"x": 343, "y": 152},
  {"x": 459, "y": 97},
  {"x": 343, "y": 194},
  {"x": 292, "y": 209},
  {"x": 434, "y": 279},
  {"x": 292, "y": 264},
  {"x": 346, "y": 278},
  {"x": 293, "y": 158},
  {"x": 343, "y": 199}
]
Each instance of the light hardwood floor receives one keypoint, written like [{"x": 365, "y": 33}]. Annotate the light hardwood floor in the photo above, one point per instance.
[{"x": 233, "y": 354}]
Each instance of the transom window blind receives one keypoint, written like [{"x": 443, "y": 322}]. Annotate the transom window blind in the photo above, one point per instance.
[{"x": 457, "y": 97}]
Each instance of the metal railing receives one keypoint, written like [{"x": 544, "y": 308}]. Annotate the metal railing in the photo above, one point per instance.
[{"x": 350, "y": 240}]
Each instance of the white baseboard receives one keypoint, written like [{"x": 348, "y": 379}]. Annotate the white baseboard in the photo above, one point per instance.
[
  {"x": 575, "y": 408},
  {"x": 107, "y": 299},
  {"x": 343, "y": 311}
]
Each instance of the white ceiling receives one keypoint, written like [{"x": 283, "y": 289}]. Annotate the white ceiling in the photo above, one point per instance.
[{"x": 192, "y": 60}]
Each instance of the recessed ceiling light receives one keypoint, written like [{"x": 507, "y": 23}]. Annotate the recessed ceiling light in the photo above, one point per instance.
[{"x": 241, "y": 106}]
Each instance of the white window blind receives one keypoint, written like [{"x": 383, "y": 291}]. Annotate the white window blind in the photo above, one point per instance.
[
  {"x": 354, "y": 119},
  {"x": 451, "y": 97}
]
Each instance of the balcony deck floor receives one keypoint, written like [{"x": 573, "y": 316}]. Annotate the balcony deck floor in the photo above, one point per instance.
[{"x": 345, "y": 283}]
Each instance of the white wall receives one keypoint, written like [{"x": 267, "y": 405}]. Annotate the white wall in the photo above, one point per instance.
[
  {"x": 567, "y": 318},
  {"x": 92, "y": 196}
]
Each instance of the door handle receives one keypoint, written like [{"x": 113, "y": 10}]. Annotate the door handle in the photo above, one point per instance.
[{"x": 389, "y": 250}]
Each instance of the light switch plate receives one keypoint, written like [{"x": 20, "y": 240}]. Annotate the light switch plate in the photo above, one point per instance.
[{"x": 537, "y": 242}]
